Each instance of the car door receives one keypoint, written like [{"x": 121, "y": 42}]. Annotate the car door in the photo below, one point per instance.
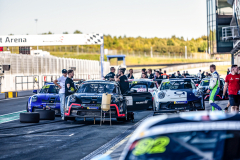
[{"x": 138, "y": 100}]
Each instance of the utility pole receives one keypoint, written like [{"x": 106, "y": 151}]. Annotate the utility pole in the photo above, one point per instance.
[
  {"x": 151, "y": 53},
  {"x": 36, "y": 28},
  {"x": 185, "y": 52}
]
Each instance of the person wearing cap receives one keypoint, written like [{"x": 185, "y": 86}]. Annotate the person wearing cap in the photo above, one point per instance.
[{"x": 61, "y": 92}]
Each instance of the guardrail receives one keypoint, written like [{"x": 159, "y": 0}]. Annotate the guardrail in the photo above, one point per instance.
[
  {"x": 25, "y": 80},
  {"x": 231, "y": 32}
]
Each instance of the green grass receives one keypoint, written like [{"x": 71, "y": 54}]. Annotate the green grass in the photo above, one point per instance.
[{"x": 130, "y": 60}]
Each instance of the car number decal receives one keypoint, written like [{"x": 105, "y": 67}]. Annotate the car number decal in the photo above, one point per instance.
[
  {"x": 180, "y": 102},
  {"x": 92, "y": 107},
  {"x": 151, "y": 146}
]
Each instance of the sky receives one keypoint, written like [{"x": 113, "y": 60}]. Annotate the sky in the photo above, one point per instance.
[{"x": 145, "y": 18}]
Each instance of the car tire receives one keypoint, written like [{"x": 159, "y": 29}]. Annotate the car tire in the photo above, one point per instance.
[
  {"x": 27, "y": 107},
  {"x": 46, "y": 114},
  {"x": 29, "y": 117}
]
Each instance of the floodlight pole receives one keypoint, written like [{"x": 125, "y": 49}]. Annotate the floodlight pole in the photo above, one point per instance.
[{"x": 102, "y": 57}]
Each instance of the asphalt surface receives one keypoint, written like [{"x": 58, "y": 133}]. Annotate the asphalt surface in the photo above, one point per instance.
[{"x": 59, "y": 139}]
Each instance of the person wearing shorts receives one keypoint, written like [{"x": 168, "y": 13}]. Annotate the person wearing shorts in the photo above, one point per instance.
[
  {"x": 214, "y": 87},
  {"x": 232, "y": 82}
]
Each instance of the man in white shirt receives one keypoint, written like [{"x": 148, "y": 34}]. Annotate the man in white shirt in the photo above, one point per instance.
[
  {"x": 61, "y": 93},
  {"x": 199, "y": 75}
]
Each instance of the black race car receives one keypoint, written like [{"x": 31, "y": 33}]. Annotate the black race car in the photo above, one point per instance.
[{"x": 86, "y": 102}]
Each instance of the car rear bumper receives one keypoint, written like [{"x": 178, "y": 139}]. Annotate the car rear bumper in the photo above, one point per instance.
[
  {"x": 75, "y": 110},
  {"x": 171, "y": 107}
]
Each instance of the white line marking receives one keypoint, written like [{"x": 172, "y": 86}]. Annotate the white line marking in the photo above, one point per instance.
[
  {"x": 71, "y": 135},
  {"x": 33, "y": 135},
  {"x": 117, "y": 145},
  {"x": 12, "y": 113},
  {"x": 13, "y": 98}
]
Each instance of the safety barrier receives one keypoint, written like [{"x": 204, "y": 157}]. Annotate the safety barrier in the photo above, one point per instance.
[
  {"x": 25, "y": 81},
  {"x": 27, "y": 65}
]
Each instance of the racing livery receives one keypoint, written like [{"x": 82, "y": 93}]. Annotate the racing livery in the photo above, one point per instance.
[
  {"x": 185, "y": 136},
  {"x": 178, "y": 95},
  {"x": 86, "y": 102},
  {"x": 47, "y": 98}
]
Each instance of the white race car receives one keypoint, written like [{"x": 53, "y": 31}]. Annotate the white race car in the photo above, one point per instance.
[
  {"x": 178, "y": 95},
  {"x": 143, "y": 85}
]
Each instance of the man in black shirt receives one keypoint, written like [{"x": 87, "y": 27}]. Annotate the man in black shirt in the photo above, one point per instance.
[
  {"x": 160, "y": 72},
  {"x": 151, "y": 76},
  {"x": 173, "y": 75},
  {"x": 179, "y": 74},
  {"x": 187, "y": 74},
  {"x": 130, "y": 75},
  {"x": 69, "y": 85},
  {"x": 123, "y": 81},
  {"x": 110, "y": 76},
  {"x": 158, "y": 75}
]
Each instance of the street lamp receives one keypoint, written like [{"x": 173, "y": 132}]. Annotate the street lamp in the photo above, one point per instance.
[{"x": 36, "y": 29}]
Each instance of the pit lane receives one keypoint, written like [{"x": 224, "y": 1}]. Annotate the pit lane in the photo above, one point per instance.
[{"x": 60, "y": 139}]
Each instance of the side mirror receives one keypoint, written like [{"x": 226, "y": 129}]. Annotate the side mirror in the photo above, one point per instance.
[
  {"x": 35, "y": 91},
  {"x": 196, "y": 85}
]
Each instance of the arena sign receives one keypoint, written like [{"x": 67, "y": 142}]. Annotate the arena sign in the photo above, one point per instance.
[
  {"x": 51, "y": 40},
  {"x": 55, "y": 40}
]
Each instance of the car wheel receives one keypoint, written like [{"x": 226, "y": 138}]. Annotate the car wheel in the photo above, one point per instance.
[
  {"x": 29, "y": 117},
  {"x": 46, "y": 114},
  {"x": 27, "y": 107}
]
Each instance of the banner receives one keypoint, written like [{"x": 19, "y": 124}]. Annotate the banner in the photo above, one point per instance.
[{"x": 51, "y": 40}]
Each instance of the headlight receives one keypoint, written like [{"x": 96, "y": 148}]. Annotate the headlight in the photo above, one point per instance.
[
  {"x": 161, "y": 95},
  {"x": 34, "y": 98},
  {"x": 73, "y": 98}
]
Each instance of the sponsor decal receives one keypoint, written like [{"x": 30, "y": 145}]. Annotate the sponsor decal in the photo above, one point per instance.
[
  {"x": 92, "y": 107},
  {"x": 180, "y": 102},
  {"x": 143, "y": 102}
]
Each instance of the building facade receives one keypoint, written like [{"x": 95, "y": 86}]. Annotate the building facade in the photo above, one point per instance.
[{"x": 219, "y": 15}]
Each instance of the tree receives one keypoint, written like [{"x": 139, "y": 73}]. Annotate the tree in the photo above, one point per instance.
[
  {"x": 65, "y": 32},
  {"x": 77, "y": 32},
  {"x": 170, "y": 42}
]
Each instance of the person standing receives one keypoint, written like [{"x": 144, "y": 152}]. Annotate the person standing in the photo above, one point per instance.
[
  {"x": 228, "y": 71},
  {"x": 232, "y": 82},
  {"x": 123, "y": 81},
  {"x": 130, "y": 74},
  {"x": 173, "y": 75},
  {"x": 164, "y": 75},
  {"x": 110, "y": 76},
  {"x": 187, "y": 74},
  {"x": 69, "y": 84},
  {"x": 199, "y": 75},
  {"x": 214, "y": 87},
  {"x": 151, "y": 76},
  {"x": 179, "y": 74},
  {"x": 61, "y": 87},
  {"x": 160, "y": 71}
]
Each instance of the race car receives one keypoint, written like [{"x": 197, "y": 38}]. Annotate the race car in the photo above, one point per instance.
[
  {"x": 188, "y": 135},
  {"x": 204, "y": 85},
  {"x": 47, "y": 98},
  {"x": 86, "y": 102},
  {"x": 150, "y": 85},
  {"x": 175, "y": 95}
]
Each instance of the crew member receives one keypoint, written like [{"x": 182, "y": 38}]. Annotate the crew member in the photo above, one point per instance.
[
  {"x": 151, "y": 76},
  {"x": 187, "y": 74},
  {"x": 232, "y": 82},
  {"x": 130, "y": 74},
  {"x": 199, "y": 75},
  {"x": 184, "y": 74},
  {"x": 179, "y": 74},
  {"x": 69, "y": 84},
  {"x": 173, "y": 75},
  {"x": 228, "y": 71},
  {"x": 123, "y": 81},
  {"x": 164, "y": 75},
  {"x": 160, "y": 71},
  {"x": 144, "y": 76},
  {"x": 214, "y": 87},
  {"x": 110, "y": 76}
]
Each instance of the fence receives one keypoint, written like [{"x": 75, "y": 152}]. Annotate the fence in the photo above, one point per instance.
[
  {"x": 26, "y": 65},
  {"x": 24, "y": 81}
]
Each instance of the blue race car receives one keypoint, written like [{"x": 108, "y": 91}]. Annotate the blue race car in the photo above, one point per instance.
[{"x": 47, "y": 98}]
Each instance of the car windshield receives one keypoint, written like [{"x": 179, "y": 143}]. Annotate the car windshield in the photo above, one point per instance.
[
  {"x": 149, "y": 84},
  {"x": 174, "y": 85},
  {"x": 49, "y": 89},
  {"x": 97, "y": 88},
  {"x": 187, "y": 146}
]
